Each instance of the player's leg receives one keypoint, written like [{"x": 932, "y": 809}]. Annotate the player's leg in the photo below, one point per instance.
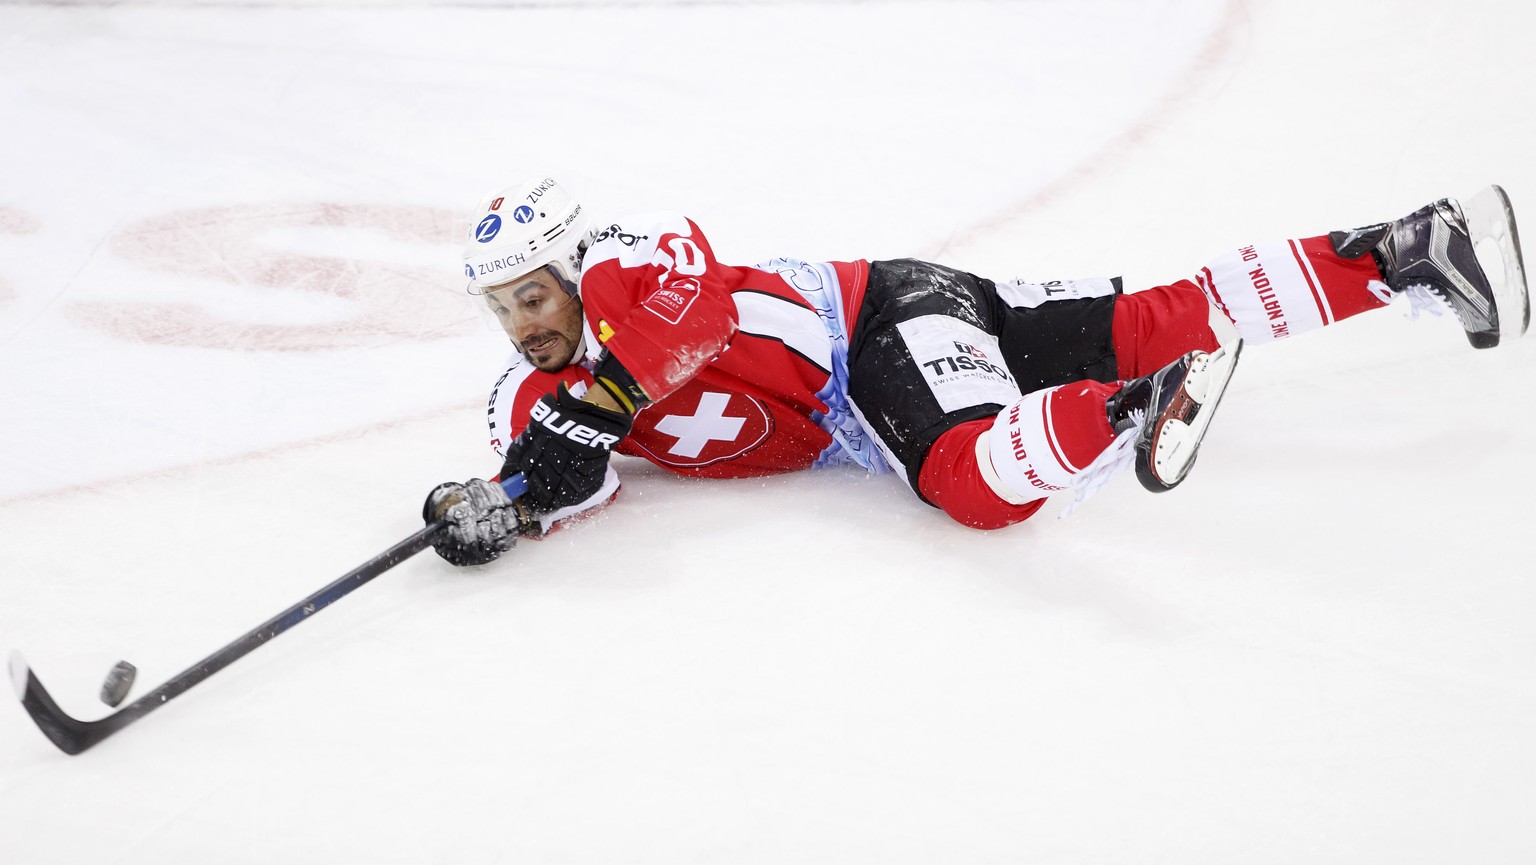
[
  {"x": 1053, "y": 435},
  {"x": 1264, "y": 292},
  {"x": 1280, "y": 289},
  {"x": 1155, "y": 327},
  {"x": 924, "y": 357},
  {"x": 989, "y": 398},
  {"x": 1273, "y": 291},
  {"x": 1074, "y": 437},
  {"x": 1268, "y": 291},
  {"x": 1085, "y": 328}
]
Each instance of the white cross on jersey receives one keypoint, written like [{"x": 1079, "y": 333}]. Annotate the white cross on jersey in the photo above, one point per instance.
[{"x": 707, "y": 424}]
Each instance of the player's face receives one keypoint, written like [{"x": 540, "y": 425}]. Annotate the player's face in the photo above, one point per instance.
[{"x": 540, "y": 317}]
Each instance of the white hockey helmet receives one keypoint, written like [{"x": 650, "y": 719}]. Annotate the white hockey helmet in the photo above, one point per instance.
[{"x": 522, "y": 228}]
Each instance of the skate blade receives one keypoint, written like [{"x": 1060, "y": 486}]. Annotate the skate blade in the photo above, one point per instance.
[
  {"x": 1176, "y": 442},
  {"x": 1496, "y": 242}
]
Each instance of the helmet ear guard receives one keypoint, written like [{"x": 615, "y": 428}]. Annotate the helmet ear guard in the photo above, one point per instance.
[{"x": 522, "y": 228}]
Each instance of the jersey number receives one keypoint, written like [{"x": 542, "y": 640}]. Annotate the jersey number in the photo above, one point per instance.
[{"x": 686, "y": 258}]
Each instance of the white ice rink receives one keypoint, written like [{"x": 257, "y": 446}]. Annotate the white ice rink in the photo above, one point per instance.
[{"x": 235, "y": 354}]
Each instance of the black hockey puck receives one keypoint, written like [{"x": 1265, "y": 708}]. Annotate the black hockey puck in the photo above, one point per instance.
[{"x": 119, "y": 680}]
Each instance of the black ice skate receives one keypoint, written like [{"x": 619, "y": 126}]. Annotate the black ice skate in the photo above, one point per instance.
[
  {"x": 1469, "y": 258},
  {"x": 1172, "y": 407}
]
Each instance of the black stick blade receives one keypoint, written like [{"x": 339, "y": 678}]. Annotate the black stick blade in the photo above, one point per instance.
[{"x": 71, "y": 735}]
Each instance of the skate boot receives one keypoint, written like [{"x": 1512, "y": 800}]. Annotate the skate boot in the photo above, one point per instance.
[
  {"x": 1467, "y": 258},
  {"x": 1172, "y": 408}
]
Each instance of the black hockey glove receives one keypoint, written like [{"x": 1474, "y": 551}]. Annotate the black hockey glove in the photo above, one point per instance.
[
  {"x": 564, "y": 451},
  {"x": 483, "y": 522}
]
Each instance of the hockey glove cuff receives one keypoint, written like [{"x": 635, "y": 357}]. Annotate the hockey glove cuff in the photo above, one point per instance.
[{"x": 614, "y": 378}]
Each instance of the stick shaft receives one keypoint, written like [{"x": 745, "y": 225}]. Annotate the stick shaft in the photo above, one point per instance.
[{"x": 74, "y": 736}]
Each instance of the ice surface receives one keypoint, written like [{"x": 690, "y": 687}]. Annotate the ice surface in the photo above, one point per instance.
[{"x": 235, "y": 355}]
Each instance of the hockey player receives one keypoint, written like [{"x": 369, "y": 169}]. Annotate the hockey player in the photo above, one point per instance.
[{"x": 984, "y": 398}]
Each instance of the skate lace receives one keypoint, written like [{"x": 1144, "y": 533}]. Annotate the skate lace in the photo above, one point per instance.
[
  {"x": 1116, "y": 458},
  {"x": 1424, "y": 302}
]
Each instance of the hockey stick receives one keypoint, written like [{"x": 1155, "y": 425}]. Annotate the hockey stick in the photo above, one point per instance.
[{"x": 74, "y": 736}]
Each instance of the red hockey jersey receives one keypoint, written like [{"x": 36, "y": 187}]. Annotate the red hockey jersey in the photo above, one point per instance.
[{"x": 746, "y": 366}]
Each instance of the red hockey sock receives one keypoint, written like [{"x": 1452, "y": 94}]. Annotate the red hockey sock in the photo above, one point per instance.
[
  {"x": 1269, "y": 291},
  {"x": 1278, "y": 289},
  {"x": 951, "y": 479},
  {"x": 1031, "y": 449},
  {"x": 1153, "y": 328}
]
